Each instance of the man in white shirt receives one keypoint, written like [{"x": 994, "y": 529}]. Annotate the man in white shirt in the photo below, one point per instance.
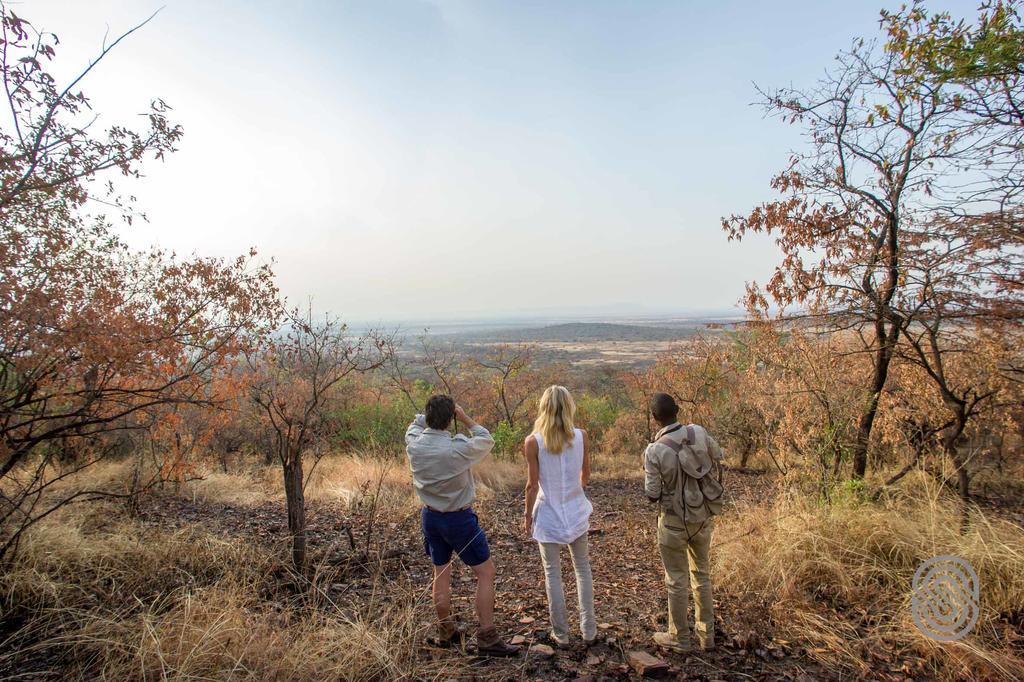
[{"x": 440, "y": 464}]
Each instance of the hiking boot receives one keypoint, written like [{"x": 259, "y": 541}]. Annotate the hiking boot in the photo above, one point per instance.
[
  {"x": 488, "y": 643},
  {"x": 559, "y": 642},
  {"x": 449, "y": 634},
  {"x": 707, "y": 643},
  {"x": 665, "y": 640}
]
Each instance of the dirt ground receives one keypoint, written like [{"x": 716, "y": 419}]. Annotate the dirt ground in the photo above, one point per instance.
[{"x": 629, "y": 593}]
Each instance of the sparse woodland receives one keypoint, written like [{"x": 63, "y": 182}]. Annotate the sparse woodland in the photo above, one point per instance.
[{"x": 199, "y": 480}]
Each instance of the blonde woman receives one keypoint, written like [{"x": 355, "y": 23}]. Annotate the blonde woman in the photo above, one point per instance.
[{"x": 557, "y": 509}]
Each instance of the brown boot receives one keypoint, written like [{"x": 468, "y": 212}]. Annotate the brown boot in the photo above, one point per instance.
[
  {"x": 488, "y": 643},
  {"x": 665, "y": 640},
  {"x": 449, "y": 634}
]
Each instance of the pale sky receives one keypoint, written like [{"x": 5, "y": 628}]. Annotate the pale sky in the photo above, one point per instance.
[{"x": 440, "y": 159}]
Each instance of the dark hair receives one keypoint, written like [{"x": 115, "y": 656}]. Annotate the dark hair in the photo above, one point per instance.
[
  {"x": 664, "y": 408},
  {"x": 440, "y": 410}
]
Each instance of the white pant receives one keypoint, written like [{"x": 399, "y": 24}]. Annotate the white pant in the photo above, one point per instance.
[{"x": 550, "y": 557}]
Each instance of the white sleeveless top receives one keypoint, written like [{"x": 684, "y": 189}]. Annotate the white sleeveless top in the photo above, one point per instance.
[{"x": 562, "y": 511}]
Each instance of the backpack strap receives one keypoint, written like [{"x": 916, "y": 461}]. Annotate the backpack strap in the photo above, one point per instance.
[{"x": 675, "y": 447}]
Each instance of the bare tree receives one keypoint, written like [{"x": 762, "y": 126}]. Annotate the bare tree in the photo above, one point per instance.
[
  {"x": 966, "y": 276},
  {"x": 444, "y": 362},
  {"x": 295, "y": 378},
  {"x": 950, "y": 318},
  {"x": 981, "y": 72},
  {"x": 852, "y": 204},
  {"x": 513, "y": 384}
]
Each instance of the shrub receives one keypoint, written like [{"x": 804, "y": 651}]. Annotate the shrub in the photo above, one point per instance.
[
  {"x": 507, "y": 439},
  {"x": 628, "y": 435},
  {"x": 370, "y": 424},
  {"x": 596, "y": 414}
]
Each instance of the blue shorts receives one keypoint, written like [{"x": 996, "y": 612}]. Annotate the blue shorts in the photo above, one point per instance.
[{"x": 460, "y": 531}]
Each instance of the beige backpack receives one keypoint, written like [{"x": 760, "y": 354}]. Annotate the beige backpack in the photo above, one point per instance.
[{"x": 699, "y": 492}]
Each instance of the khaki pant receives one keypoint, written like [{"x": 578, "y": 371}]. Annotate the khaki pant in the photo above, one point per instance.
[
  {"x": 550, "y": 554},
  {"x": 685, "y": 552}
]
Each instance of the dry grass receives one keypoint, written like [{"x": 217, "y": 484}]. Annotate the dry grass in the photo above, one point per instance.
[
  {"x": 74, "y": 573},
  {"x": 840, "y": 578},
  {"x": 122, "y": 602},
  {"x": 226, "y": 632},
  {"x": 94, "y": 594},
  {"x": 115, "y": 600},
  {"x": 350, "y": 479},
  {"x": 119, "y": 601},
  {"x": 617, "y": 466}
]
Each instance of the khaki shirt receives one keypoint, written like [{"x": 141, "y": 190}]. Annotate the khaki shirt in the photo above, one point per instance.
[
  {"x": 661, "y": 468},
  {"x": 440, "y": 463}
]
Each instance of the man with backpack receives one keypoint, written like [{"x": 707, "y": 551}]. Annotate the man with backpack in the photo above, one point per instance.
[{"x": 683, "y": 474}]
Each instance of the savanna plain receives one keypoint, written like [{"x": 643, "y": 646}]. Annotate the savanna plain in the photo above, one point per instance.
[
  {"x": 191, "y": 575},
  {"x": 200, "y": 480}
]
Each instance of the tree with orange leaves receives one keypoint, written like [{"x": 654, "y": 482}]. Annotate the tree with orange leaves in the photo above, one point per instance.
[
  {"x": 894, "y": 174},
  {"x": 295, "y": 375},
  {"x": 92, "y": 334}
]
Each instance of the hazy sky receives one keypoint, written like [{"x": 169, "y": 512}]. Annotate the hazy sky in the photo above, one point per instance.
[{"x": 436, "y": 159}]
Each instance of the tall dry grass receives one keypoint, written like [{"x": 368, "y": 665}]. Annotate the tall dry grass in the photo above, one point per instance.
[
  {"x": 617, "y": 466},
  {"x": 96, "y": 594},
  {"x": 92, "y": 598},
  {"x": 348, "y": 478},
  {"x": 839, "y": 577},
  {"x": 225, "y": 632}
]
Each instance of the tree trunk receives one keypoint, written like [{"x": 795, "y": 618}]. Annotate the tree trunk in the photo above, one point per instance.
[
  {"x": 837, "y": 459},
  {"x": 296, "y": 508},
  {"x": 133, "y": 498},
  {"x": 745, "y": 454},
  {"x": 963, "y": 476},
  {"x": 860, "y": 445},
  {"x": 963, "y": 482},
  {"x": 882, "y": 359}
]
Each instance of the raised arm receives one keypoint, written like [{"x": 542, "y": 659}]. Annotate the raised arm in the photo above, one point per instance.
[
  {"x": 475, "y": 447},
  {"x": 530, "y": 453},
  {"x": 415, "y": 429}
]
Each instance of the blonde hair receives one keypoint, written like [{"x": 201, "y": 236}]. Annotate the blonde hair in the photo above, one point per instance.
[{"x": 555, "y": 414}]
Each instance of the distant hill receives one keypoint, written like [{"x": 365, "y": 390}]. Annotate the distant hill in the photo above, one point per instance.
[{"x": 584, "y": 332}]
